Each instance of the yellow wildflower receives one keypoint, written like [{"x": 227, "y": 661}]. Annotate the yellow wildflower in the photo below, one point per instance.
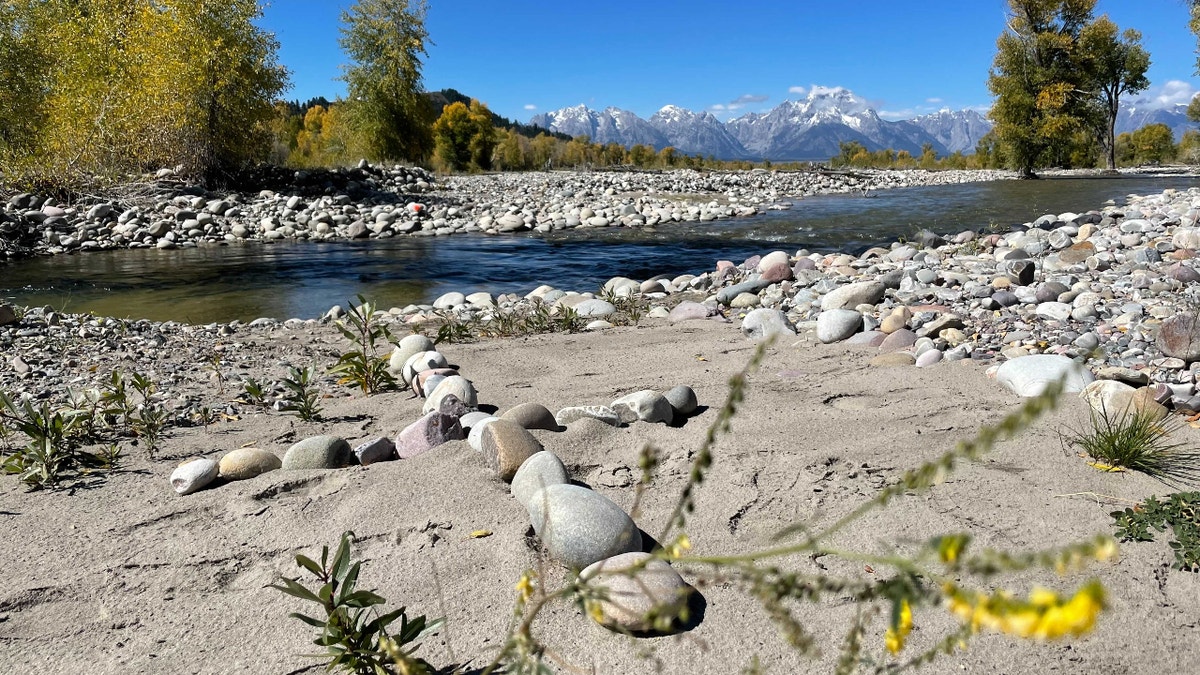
[
  {"x": 596, "y": 611},
  {"x": 1043, "y": 616},
  {"x": 951, "y": 547},
  {"x": 902, "y": 626},
  {"x": 682, "y": 545},
  {"x": 525, "y": 586}
]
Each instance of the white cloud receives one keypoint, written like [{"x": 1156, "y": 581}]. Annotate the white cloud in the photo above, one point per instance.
[
  {"x": 1168, "y": 95},
  {"x": 749, "y": 98},
  {"x": 934, "y": 101},
  {"x": 530, "y": 106},
  {"x": 717, "y": 108},
  {"x": 893, "y": 115},
  {"x": 799, "y": 91}
]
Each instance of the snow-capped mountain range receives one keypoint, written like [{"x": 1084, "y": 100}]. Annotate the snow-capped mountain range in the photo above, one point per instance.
[{"x": 808, "y": 129}]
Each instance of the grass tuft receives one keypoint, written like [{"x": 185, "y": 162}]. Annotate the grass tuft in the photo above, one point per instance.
[{"x": 1139, "y": 442}]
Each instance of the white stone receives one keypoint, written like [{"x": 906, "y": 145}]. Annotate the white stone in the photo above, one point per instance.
[{"x": 1030, "y": 375}]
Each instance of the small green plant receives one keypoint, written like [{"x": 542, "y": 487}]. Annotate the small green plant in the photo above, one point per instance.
[
  {"x": 1137, "y": 441},
  {"x": 363, "y": 366},
  {"x": 454, "y": 330},
  {"x": 1180, "y": 512},
  {"x": 114, "y": 395},
  {"x": 354, "y": 634},
  {"x": 216, "y": 372},
  {"x": 253, "y": 392},
  {"x": 302, "y": 393},
  {"x": 569, "y": 321},
  {"x": 109, "y": 457},
  {"x": 148, "y": 422},
  {"x": 50, "y": 452}
]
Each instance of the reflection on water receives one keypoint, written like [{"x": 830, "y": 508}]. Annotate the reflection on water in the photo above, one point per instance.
[{"x": 283, "y": 280}]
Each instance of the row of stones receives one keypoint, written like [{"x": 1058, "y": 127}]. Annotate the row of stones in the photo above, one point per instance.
[{"x": 582, "y": 529}]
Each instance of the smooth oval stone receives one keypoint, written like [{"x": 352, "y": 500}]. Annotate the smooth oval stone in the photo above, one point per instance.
[
  {"x": 246, "y": 463},
  {"x": 596, "y": 412},
  {"x": 409, "y": 345},
  {"x": 540, "y": 470},
  {"x": 318, "y": 452},
  {"x": 901, "y": 339},
  {"x": 929, "y": 358},
  {"x": 764, "y": 323},
  {"x": 893, "y": 360},
  {"x": 469, "y": 420},
  {"x": 194, "y": 475},
  {"x": 475, "y": 438},
  {"x": 1117, "y": 400},
  {"x": 835, "y": 325},
  {"x": 379, "y": 450},
  {"x": 595, "y": 308},
  {"x": 455, "y": 385},
  {"x": 683, "y": 399},
  {"x": 1030, "y": 375},
  {"x": 688, "y": 311},
  {"x": 853, "y": 295},
  {"x": 645, "y": 405},
  {"x": 432, "y": 430},
  {"x": 634, "y": 588},
  {"x": 420, "y": 362},
  {"x": 506, "y": 445},
  {"x": 531, "y": 416},
  {"x": 579, "y": 527}
]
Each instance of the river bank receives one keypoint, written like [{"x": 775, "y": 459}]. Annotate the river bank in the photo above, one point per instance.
[
  {"x": 374, "y": 202},
  {"x": 882, "y": 362}
]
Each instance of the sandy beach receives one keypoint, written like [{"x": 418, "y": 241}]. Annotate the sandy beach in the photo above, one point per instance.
[{"x": 124, "y": 576}]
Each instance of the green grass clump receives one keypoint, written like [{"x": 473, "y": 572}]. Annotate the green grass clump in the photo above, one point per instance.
[{"x": 1139, "y": 442}]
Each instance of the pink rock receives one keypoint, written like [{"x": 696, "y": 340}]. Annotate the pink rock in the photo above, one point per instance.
[
  {"x": 418, "y": 386},
  {"x": 901, "y": 339},
  {"x": 688, "y": 311},
  {"x": 427, "y": 433},
  {"x": 776, "y": 273}
]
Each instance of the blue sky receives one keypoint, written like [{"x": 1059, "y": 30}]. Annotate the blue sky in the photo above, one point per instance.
[{"x": 906, "y": 57}]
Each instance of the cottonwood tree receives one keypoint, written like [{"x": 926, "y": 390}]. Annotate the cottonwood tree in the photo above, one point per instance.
[
  {"x": 464, "y": 137},
  {"x": 1042, "y": 91},
  {"x": 128, "y": 85},
  {"x": 1116, "y": 65},
  {"x": 385, "y": 40}
]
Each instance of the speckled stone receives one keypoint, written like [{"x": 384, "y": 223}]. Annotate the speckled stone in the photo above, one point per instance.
[
  {"x": 318, "y": 452},
  {"x": 579, "y": 527},
  {"x": 637, "y": 587},
  {"x": 246, "y": 463},
  {"x": 531, "y": 416},
  {"x": 506, "y": 445},
  {"x": 427, "y": 433},
  {"x": 541, "y": 469},
  {"x": 597, "y": 412}
]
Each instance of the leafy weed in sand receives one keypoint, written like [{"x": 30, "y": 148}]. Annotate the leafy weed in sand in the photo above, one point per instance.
[
  {"x": 354, "y": 634},
  {"x": 1180, "y": 511},
  {"x": 899, "y": 585},
  {"x": 301, "y": 393},
  {"x": 253, "y": 392},
  {"x": 1138, "y": 441},
  {"x": 50, "y": 452},
  {"x": 363, "y": 366}
]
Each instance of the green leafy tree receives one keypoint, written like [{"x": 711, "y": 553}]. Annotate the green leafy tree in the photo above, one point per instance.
[
  {"x": 111, "y": 86},
  {"x": 464, "y": 137},
  {"x": 1153, "y": 144},
  {"x": 1041, "y": 91},
  {"x": 1116, "y": 64},
  {"x": 385, "y": 40},
  {"x": 1189, "y": 147}
]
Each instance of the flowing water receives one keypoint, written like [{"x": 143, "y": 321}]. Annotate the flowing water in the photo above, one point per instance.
[{"x": 301, "y": 279}]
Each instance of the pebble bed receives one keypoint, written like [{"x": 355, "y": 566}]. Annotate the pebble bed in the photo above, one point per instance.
[{"x": 374, "y": 202}]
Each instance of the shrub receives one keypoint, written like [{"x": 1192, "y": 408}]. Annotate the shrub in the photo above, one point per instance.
[
  {"x": 364, "y": 366},
  {"x": 1181, "y": 512}
]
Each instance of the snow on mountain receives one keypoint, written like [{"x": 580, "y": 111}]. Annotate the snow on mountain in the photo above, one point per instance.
[
  {"x": 957, "y": 130},
  {"x": 1136, "y": 115},
  {"x": 611, "y": 125},
  {"x": 696, "y": 133}
]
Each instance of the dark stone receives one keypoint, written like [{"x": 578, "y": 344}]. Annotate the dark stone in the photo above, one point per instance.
[{"x": 1021, "y": 272}]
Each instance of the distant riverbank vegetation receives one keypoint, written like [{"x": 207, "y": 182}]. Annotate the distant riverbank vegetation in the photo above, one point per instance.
[{"x": 99, "y": 92}]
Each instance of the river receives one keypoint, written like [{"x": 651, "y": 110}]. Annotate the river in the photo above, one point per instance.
[{"x": 302, "y": 279}]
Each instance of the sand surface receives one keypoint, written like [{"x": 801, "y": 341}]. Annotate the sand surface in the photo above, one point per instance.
[{"x": 124, "y": 576}]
